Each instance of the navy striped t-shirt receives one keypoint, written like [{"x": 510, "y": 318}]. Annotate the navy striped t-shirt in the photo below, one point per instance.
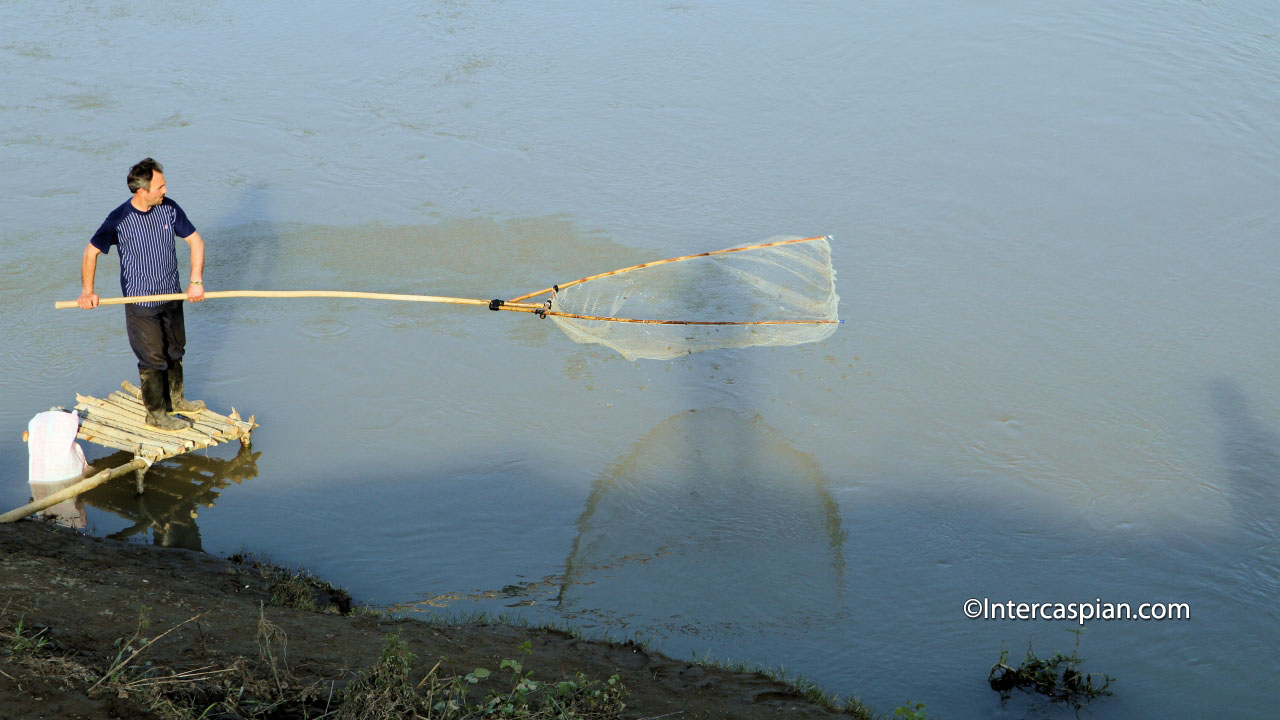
[{"x": 148, "y": 258}]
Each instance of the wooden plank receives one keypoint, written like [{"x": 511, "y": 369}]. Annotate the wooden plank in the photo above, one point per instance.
[
  {"x": 136, "y": 426},
  {"x": 220, "y": 434},
  {"x": 132, "y": 441},
  {"x": 151, "y": 452},
  {"x": 125, "y": 400},
  {"x": 122, "y": 420},
  {"x": 128, "y": 418},
  {"x": 132, "y": 389},
  {"x": 95, "y": 433},
  {"x": 125, "y": 440},
  {"x": 108, "y": 442},
  {"x": 124, "y": 403},
  {"x": 233, "y": 420},
  {"x": 131, "y": 424},
  {"x": 202, "y": 433}
]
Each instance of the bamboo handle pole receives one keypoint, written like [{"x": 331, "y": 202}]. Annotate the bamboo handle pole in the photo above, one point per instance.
[
  {"x": 212, "y": 294},
  {"x": 74, "y": 490},
  {"x": 664, "y": 262}
]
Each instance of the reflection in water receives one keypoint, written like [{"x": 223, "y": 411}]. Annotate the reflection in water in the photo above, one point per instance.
[
  {"x": 727, "y": 519},
  {"x": 70, "y": 512},
  {"x": 175, "y": 489}
]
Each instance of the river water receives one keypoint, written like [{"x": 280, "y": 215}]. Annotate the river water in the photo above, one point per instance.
[{"x": 1056, "y": 381}]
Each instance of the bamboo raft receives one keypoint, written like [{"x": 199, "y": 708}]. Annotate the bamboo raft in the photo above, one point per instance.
[{"x": 119, "y": 422}]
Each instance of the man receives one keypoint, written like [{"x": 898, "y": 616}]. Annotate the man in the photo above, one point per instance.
[{"x": 144, "y": 229}]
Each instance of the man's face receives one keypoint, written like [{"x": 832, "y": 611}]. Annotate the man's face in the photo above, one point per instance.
[{"x": 153, "y": 195}]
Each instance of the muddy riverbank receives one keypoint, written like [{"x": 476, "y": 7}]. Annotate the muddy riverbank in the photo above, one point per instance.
[{"x": 69, "y": 616}]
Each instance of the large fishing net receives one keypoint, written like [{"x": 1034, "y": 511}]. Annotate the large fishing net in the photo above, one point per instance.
[{"x": 781, "y": 292}]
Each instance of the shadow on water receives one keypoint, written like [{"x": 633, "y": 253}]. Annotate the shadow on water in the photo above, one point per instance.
[
  {"x": 242, "y": 252},
  {"x": 244, "y": 260},
  {"x": 1251, "y": 459},
  {"x": 175, "y": 490},
  {"x": 708, "y": 498},
  {"x": 700, "y": 487}
]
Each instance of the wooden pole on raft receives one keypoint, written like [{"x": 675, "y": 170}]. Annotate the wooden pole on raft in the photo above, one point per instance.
[
  {"x": 212, "y": 294},
  {"x": 74, "y": 490}
]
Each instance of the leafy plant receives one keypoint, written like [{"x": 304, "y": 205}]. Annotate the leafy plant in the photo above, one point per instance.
[
  {"x": 383, "y": 690},
  {"x": 125, "y": 651},
  {"x": 1059, "y": 678},
  {"x": 20, "y": 643}
]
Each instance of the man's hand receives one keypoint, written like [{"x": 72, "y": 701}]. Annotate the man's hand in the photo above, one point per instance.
[
  {"x": 88, "y": 266},
  {"x": 195, "y": 291}
]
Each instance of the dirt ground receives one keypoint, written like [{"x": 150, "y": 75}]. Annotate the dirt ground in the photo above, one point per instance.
[{"x": 70, "y": 603}]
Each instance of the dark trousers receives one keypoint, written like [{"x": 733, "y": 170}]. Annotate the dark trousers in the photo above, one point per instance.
[{"x": 158, "y": 335}]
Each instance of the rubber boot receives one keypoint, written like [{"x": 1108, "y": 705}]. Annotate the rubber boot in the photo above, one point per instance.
[
  {"x": 178, "y": 403},
  {"x": 153, "y": 400}
]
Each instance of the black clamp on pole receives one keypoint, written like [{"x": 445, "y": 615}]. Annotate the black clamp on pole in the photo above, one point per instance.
[
  {"x": 546, "y": 305},
  {"x": 496, "y": 303}
]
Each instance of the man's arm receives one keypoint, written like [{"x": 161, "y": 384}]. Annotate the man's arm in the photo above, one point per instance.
[
  {"x": 88, "y": 268},
  {"x": 195, "y": 290}
]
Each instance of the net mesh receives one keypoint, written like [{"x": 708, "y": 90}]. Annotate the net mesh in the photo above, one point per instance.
[{"x": 768, "y": 294}]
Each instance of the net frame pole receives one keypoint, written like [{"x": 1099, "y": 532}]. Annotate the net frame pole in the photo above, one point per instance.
[
  {"x": 663, "y": 262},
  {"x": 601, "y": 318}
]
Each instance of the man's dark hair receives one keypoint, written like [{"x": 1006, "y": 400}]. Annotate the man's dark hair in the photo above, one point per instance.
[{"x": 140, "y": 174}]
